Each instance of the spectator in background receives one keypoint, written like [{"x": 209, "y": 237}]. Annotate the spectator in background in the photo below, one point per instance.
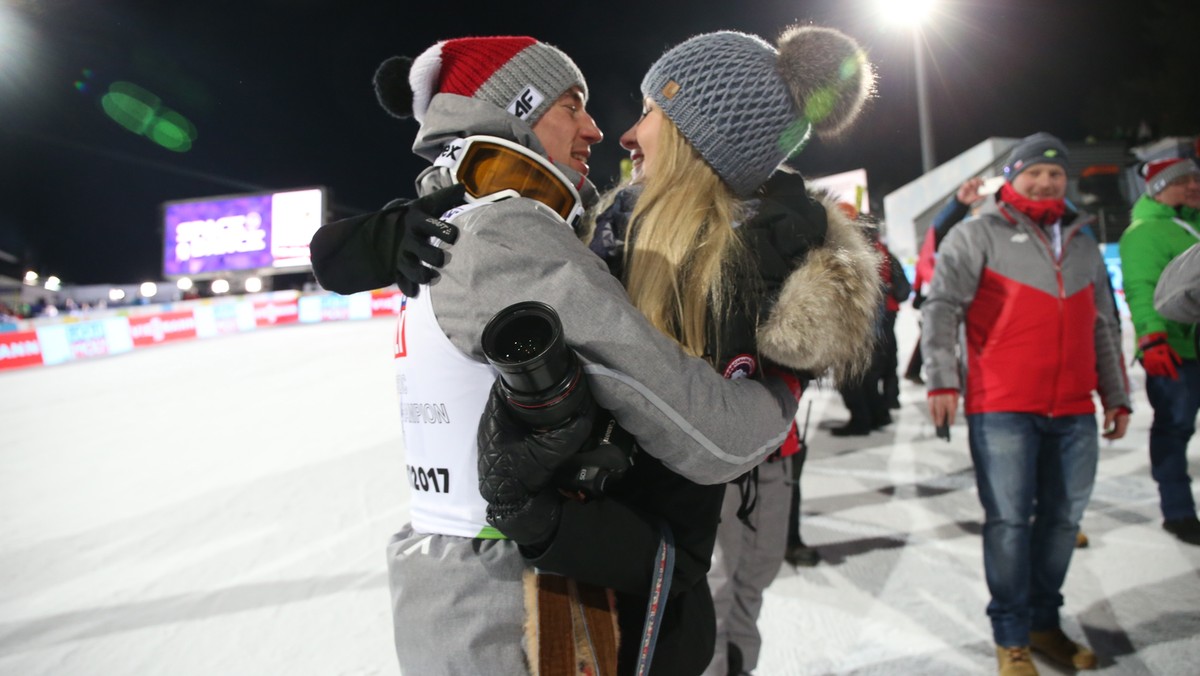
[
  {"x": 897, "y": 289},
  {"x": 1165, "y": 223},
  {"x": 955, "y": 210},
  {"x": 863, "y": 395},
  {"x": 1041, "y": 336}
]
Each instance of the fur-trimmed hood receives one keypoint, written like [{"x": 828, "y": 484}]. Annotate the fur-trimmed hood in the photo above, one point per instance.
[{"x": 826, "y": 314}]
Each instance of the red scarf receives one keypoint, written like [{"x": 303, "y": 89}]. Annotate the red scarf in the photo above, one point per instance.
[{"x": 1043, "y": 212}]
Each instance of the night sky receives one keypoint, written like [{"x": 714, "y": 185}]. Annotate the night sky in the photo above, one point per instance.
[{"x": 280, "y": 94}]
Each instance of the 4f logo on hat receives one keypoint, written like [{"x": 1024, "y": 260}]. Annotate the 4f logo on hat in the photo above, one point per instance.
[{"x": 526, "y": 102}]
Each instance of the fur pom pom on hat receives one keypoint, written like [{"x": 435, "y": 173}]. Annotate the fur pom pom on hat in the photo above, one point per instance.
[
  {"x": 747, "y": 106},
  {"x": 1160, "y": 173},
  {"x": 518, "y": 74}
]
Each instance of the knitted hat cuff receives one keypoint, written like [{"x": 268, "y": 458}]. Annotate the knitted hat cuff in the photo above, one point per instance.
[
  {"x": 1158, "y": 180},
  {"x": 1039, "y": 148}
]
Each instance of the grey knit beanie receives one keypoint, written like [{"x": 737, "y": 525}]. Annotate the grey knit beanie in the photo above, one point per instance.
[
  {"x": 746, "y": 107},
  {"x": 1039, "y": 148},
  {"x": 516, "y": 73}
]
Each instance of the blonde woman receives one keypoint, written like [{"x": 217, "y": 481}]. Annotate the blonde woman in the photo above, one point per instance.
[{"x": 751, "y": 274}]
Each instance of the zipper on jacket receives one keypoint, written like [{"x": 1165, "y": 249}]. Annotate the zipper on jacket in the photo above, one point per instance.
[{"x": 1057, "y": 262}]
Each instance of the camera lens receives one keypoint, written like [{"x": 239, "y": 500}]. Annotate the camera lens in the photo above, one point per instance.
[
  {"x": 539, "y": 374},
  {"x": 519, "y": 341}
]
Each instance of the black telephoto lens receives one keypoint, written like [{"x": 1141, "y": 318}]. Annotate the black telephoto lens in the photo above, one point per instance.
[{"x": 540, "y": 376}]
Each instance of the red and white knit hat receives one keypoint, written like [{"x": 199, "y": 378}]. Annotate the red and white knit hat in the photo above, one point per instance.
[
  {"x": 518, "y": 74},
  {"x": 1160, "y": 173}
]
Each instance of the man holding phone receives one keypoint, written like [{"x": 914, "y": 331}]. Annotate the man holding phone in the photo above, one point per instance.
[{"x": 1041, "y": 337}]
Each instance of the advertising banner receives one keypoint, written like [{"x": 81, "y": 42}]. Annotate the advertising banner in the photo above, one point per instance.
[
  {"x": 257, "y": 231},
  {"x": 19, "y": 348},
  {"x": 220, "y": 319},
  {"x": 205, "y": 236},
  {"x": 385, "y": 302},
  {"x": 162, "y": 327},
  {"x": 82, "y": 340},
  {"x": 274, "y": 312}
]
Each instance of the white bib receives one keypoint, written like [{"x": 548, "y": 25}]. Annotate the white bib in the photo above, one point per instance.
[{"x": 442, "y": 393}]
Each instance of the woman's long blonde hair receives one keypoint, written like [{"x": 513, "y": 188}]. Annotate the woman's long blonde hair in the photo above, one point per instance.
[{"x": 681, "y": 244}]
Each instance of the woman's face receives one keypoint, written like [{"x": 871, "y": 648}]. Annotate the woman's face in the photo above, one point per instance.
[{"x": 642, "y": 140}]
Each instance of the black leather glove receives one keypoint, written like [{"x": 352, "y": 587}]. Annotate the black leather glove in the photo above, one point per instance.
[
  {"x": 532, "y": 522},
  {"x": 515, "y": 459},
  {"x": 516, "y": 466},
  {"x": 408, "y": 238}
]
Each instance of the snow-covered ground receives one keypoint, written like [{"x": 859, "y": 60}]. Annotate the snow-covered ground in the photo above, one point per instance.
[{"x": 221, "y": 507}]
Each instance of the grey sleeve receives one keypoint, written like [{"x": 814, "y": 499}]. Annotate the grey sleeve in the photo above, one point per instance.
[
  {"x": 706, "y": 428},
  {"x": 1111, "y": 380},
  {"x": 1177, "y": 296},
  {"x": 956, "y": 275}
]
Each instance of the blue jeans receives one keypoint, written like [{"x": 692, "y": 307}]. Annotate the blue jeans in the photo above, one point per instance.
[
  {"x": 1175, "y": 404},
  {"x": 1035, "y": 476}
]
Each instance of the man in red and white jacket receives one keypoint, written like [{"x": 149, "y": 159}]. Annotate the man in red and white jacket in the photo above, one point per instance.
[{"x": 1042, "y": 335}]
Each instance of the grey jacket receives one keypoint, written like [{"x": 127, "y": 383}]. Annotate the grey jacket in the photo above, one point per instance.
[
  {"x": 1177, "y": 295},
  {"x": 702, "y": 426}
]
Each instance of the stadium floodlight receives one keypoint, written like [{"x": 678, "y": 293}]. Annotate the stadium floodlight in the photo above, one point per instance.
[
  {"x": 31, "y": 277},
  {"x": 220, "y": 286},
  {"x": 53, "y": 283},
  {"x": 915, "y": 14},
  {"x": 148, "y": 289},
  {"x": 906, "y": 12},
  {"x": 253, "y": 284},
  {"x": 184, "y": 284},
  {"x": 116, "y": 295}
]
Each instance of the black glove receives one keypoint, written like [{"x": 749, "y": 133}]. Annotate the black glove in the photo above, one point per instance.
[
  {"x": 515, "y": 461},
  {"x": 798, "y": 220},
  {"x": 532, "y": 522},
  {"x": 371, "y": 251},
  {"x": 516, "y": 466},
  {"x": 414, "y": 224}
]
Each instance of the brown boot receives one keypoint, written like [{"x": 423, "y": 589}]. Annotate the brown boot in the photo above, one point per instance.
[
  {"x": 1055, "y": 645},
  {"x": 1081, "y": 540},
  {"x": 1015, "y": 661}
]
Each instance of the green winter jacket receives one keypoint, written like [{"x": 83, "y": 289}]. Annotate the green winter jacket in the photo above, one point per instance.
[{"x": 1150, "y": 242}]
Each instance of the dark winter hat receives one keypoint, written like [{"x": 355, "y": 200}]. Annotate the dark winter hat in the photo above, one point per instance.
[
  {"x": 1039, "y": 148},
  {"x": 1160, "y": 173},
  {"x": 519, "y": 74},
  {"x": 746, "y": 107}
]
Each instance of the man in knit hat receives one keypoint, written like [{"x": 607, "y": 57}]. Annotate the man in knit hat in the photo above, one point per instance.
[
  {"x": 1041, "y": 336},
  {"x": 458, "y": 583},
  {"x": 1165, "y": 223}
]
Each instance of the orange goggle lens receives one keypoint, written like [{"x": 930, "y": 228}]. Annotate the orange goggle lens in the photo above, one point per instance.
[{"x": 488, "y": 168}]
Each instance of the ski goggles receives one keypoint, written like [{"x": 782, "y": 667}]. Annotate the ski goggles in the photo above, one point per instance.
[{"x": 492, "y": 169}]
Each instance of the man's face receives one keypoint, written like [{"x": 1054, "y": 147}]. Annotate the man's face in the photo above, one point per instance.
[
  {"x": 641, "y": 140},
  {"x": 1042, "y": 181},
  {"x": 1184, "y": 190},
  {"x": 567, "y": 132}
]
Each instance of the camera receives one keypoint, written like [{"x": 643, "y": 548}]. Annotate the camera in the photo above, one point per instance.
[
  {"x": 542, "y": 383},
  {"x": 540, "y": 377}
]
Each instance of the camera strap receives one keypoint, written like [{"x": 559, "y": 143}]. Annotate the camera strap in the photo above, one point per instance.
[{"x": 660, "y": 585}]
